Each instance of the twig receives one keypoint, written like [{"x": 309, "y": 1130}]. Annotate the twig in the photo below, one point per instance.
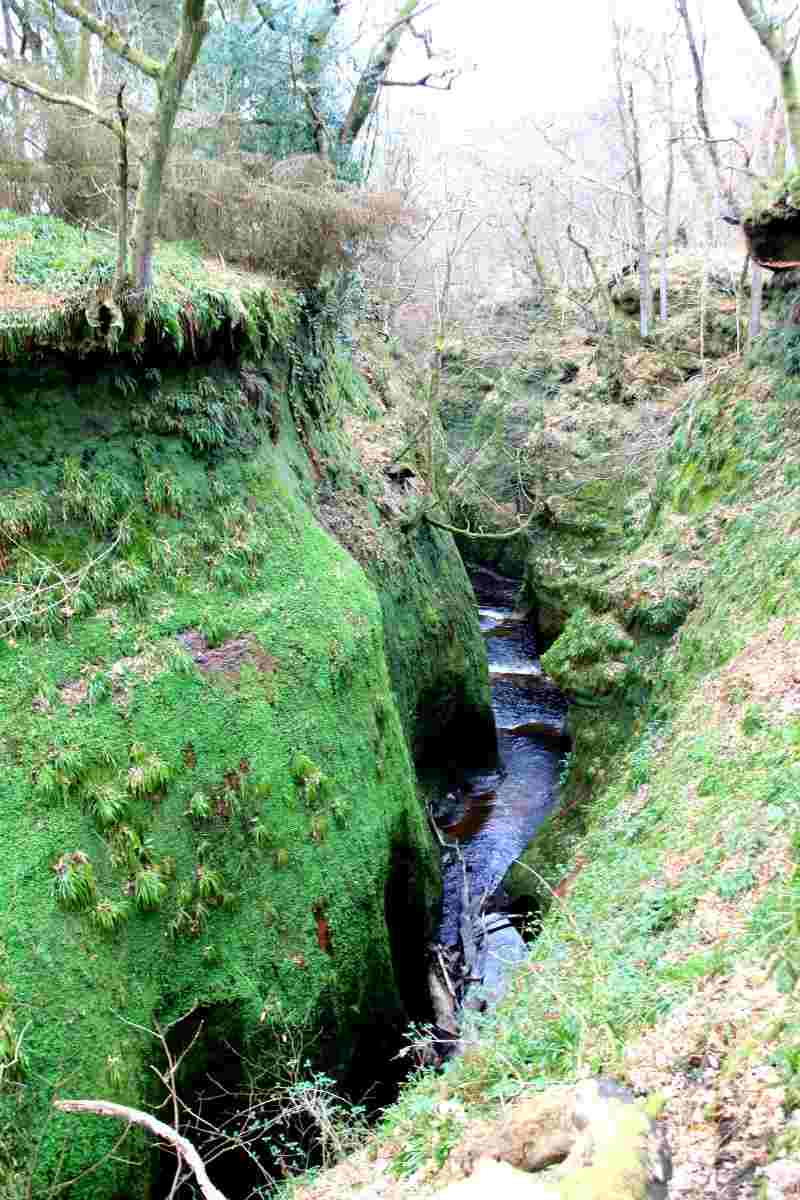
[
  {"x": 445, "y": 972},
  {"x": 12, "y": 612}
]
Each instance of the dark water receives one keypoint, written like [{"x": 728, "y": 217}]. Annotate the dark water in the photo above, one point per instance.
[{"x": 494, "y": 813}]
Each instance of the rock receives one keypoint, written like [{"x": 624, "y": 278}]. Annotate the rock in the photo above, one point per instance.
[
  {"x": 503, "y": 951},
  {"x": 591, "y": 1141},
  {"x": 492, "y": 1178},
  {"x": 555, "y": 728}
]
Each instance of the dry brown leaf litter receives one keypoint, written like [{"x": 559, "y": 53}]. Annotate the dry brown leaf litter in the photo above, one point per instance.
[{"x": 724, "y": 1100}]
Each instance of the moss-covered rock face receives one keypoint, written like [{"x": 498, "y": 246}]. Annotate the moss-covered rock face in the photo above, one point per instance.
[
  {"x": 436, "y": 655},
  {"x": 207, "y": 796},
  {"x": 588, "y": 658}
]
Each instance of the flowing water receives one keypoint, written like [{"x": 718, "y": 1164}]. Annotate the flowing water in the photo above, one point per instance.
[{"x": 495, "y": 810}]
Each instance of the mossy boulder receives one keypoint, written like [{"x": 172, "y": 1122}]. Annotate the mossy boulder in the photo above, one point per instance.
[
  {"x": 772, "y": 224},
  {"x": 588, "y": 658},
  {"x": 605, "y": 1146},
  {"x": 207, "y": 792}
]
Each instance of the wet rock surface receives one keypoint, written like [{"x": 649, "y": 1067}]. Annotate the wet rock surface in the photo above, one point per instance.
[{"x": 491, "y": 812}]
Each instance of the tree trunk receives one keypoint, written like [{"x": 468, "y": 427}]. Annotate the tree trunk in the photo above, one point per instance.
[
  {"x": 740, "y": 321},
  {"x": 756, "y": 293},
  {"x": 669, "y": 189},
  {"x": 791, "y": 103},
  {"x": 316, "y": 42},
  {"x": 780, "y": 46},
  {"x": 148, "y": 195},
  {"x": 16, "y": 107},
  {"x": 170, "y": 89},
  {"x": 725, "y": 193},
  {"x": 373, "y": 75},
  {"x": 84, "y": 66},
  {"x": 83, "y": 61},
  {"x": 645, "y": 296},
  {"x": 121, "y": 275}
]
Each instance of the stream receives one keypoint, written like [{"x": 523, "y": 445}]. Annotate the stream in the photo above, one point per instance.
[
  {"x": 491, "y": 811},
  {"x": 485, "y": 816}
]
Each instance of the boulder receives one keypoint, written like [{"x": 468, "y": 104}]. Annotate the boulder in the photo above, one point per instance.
[
  {"x": 590, "y": 1141},
  {"x": 503, "y": 950}
]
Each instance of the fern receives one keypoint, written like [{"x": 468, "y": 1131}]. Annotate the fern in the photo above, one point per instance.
[
  {"x": 148, "y": 773},
  {"x": 22, "y": 513},
  {"x": 108, "y": 915},
  {"x": 107, "y": 804},
  {"x": 209, "y": 882},
  {"x": 149, "y": 889},
  {"x": 199, "y": 807},
  {"x": 74, "y": 884}
]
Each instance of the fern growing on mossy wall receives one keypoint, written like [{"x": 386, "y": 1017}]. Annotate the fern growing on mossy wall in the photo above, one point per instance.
[{"x": 195, "y": 705}]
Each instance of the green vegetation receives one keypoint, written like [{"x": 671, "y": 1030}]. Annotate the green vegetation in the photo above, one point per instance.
[
  {"x": 199, "y": 694},
  {"x": 668, "y": 923},
  {"x": 58, "y": 294}
]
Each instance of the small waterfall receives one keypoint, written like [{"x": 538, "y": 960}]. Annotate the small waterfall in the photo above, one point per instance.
[{"x": 492, "y": 812}]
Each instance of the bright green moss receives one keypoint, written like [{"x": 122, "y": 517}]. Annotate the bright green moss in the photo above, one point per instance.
[{"x": 224, "y": 750}]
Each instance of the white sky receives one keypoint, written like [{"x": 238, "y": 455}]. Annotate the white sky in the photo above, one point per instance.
[{"x": 551, "y": 56}]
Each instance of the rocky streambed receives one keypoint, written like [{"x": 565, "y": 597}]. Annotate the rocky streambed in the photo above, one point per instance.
[{"x": 491, "y": 811}]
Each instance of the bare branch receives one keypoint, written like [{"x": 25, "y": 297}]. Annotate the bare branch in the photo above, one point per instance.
[
  {"x": 9, "y": 76},
  {"x": 447, "y": 77},
  {"x": 134, "y": 1116},
  {"x": 119, "y": 45},
  {"x": 472, "y": 533}
]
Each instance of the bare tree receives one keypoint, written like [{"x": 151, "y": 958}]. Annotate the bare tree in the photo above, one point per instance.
[
  {"x": 780, "y": 41},
  {"x": 372, "y": 79},
  {"x": 170, "y": 77},
  {"x": 632, "y": 140}
]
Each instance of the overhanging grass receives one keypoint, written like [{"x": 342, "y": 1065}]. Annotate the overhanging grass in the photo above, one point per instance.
[{"x": 55, "y": 279}]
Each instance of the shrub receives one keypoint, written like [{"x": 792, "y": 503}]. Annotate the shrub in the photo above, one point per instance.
[{"x": 297, "y": 227}]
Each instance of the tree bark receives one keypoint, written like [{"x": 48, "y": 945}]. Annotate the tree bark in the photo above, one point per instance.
[
  {"x": 373, "y": 75},
  {"x": 698, "y": 67},
  {"x": 645, "y": 294},
  {"x": 16, "y": 108},
  {"x": 600, "y": 287},
  {"x": 669, "y": 190},
  {"x": 171, "y": 82},
  {"x": 182, "y": 1145},
  {"x": 121, "y": 275},
  {"x": 780, "y": 46},
  {"x": 83, "y": 66},
  {"x": 115, "y": 42},
  {"x": 14, "y": 79},
  {"x": 316, "y": 42},
  {"x": 629, "y": 127},
  {"x": 791, "y": 102},
  {"x": 756, "y": 293}
]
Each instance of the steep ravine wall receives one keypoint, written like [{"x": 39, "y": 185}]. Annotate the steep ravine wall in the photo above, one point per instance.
[{"x": 206, "y": 782}]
